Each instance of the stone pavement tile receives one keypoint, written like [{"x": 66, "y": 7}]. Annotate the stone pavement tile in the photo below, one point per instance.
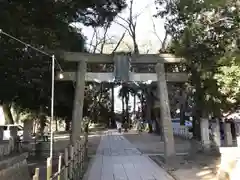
[
  {"x": 119, "y": 172},
  {"x": 118, "y": 159},
  {"x": 107, "y": 169},
  {"x": 96, "y": 168}
]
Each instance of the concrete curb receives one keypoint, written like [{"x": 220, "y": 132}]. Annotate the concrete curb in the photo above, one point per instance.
[
  {"x": 86, "y": 174},
  {"x": 92, "y": 159}
]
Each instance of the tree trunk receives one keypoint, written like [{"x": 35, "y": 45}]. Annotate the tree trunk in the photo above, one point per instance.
[
  {"x": 134, "y": 104},
  {"x": 198, "y": 109},
  {"x": 135, "y": 45},
  {"x": 158, "y": 128},
  {"x": 183, "y": 105},
  {"x": 123, "y": 110},
  {"x": 150, "y": 128},
  {"x": 148, "y": 113},
  {"x": 196, "y": 127},
  {"x": 18, "y": 115},
  {"x": 56, "y": 124},
  {"x": 7, "y": 113},
  {"x": 67, "y": 125},
  {"x": 34, "y": 126},
  {"x": 113, "y": 123},
  {"x": 127, "y": 113},
  {"x": 157, "y": 121}
]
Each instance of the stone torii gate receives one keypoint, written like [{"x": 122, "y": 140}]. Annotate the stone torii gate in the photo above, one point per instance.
[{"x": 122, "y": 63}]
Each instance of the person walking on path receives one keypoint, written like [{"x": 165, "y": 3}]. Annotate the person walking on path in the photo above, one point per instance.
[
  {"x": 45, "y": 133},
  {"x": 119, "y": 126}
]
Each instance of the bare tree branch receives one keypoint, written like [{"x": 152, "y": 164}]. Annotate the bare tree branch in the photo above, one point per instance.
[
  {"x": 128, "y": 46},
  {"x": 164, "y": 43},
  {"x": 125, "y": 20},
  {"x": 96, "y": 40},
  {"x": 93, "y": 46},
  {"x": 93, "y": 36},
  {"x": 125, "y": 27},
  {"x": 119, "y": 42},
  {"x": 131, "y": 23},
  {"x": 104, "y": 38},
  {"x": 155, "y": 31}
]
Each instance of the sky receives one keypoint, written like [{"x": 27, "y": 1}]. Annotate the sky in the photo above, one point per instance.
[{"x": 146, "y": 38}]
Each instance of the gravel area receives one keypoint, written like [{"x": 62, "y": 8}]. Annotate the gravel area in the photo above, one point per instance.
[{"x": 153, "y": 144}]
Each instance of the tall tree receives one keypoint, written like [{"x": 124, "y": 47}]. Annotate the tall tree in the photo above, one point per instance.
[
  {"x": 45, "y": 24},
  {"x": 202, "y": 33}
]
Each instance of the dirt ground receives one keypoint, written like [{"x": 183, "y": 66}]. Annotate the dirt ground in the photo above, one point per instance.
[
  {"x": 94, "y": 141},
  {"x": 188, "y": 164},
  {"x": 153, "y": 144},
  {"x": 61, "y": 142}
]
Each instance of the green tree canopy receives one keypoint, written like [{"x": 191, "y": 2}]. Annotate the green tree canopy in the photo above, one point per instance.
[
  {"x": 26, "y": 74},
  {"x": 204, "y": 33}
]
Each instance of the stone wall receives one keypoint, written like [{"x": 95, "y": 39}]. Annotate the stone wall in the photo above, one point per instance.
[{"x": 15, "y": 168}]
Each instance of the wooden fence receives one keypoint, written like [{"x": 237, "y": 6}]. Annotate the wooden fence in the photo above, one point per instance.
[{"x": 71, "y": 163}]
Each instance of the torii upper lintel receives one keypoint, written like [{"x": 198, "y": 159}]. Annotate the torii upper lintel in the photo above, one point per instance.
[{"x": 108, "y": 58}]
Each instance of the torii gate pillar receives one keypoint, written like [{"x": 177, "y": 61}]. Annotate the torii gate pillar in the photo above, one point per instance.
[
  {"x": 77, "y": 118},
  {"x": 165, "y": 115}
]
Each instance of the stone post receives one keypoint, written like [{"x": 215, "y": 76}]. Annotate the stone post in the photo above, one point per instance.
[
  {"x": 1, "y": 133},
  {"x": 13, "y": 135},
  {"x": 237, "y": 128},
  {"x": 27, "y": 130},
  {"x": 169, "y": 146},
  {"x": 216, "y": 134},
  {"x": 205, "y": 133},
  {"x": 227, "y": 134},
  {"x": 78, "y": 101}
]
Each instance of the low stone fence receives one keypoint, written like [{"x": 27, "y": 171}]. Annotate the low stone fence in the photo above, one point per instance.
[
  {"x": 6, "y": 148},
  {"x": 182, "y": 131},
  {"x": 71, "y": 163},
  {"x": 15, "y": 168}
]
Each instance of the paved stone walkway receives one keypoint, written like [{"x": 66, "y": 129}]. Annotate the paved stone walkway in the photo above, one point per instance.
[{"x": 118, "y": 159}]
